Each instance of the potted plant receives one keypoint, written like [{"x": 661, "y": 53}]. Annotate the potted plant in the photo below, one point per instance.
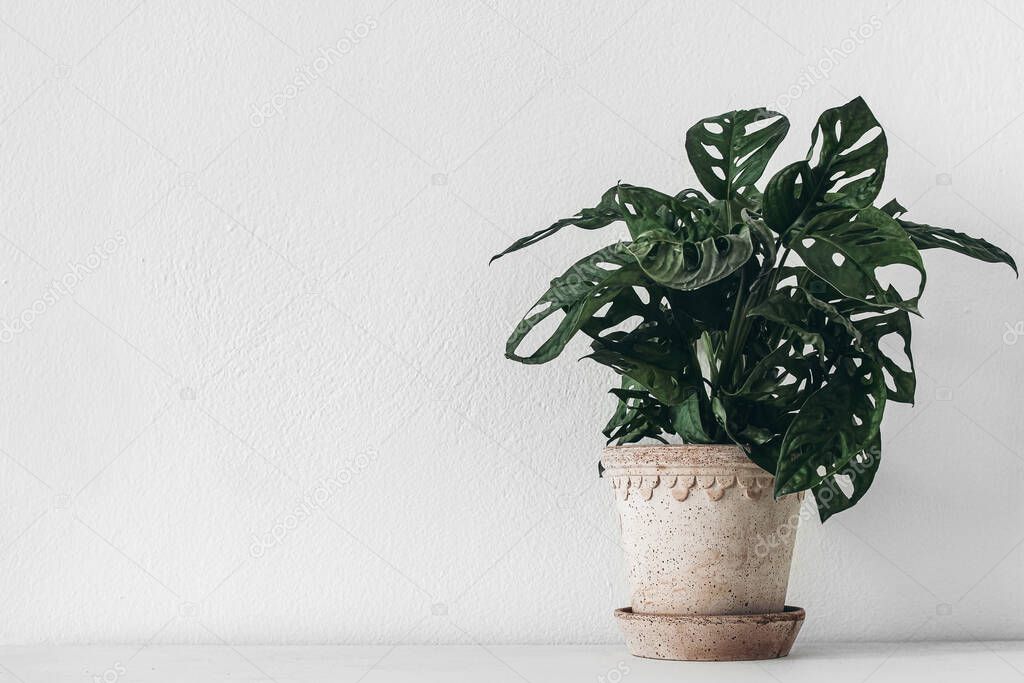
[{"x": 759, "y": 330}]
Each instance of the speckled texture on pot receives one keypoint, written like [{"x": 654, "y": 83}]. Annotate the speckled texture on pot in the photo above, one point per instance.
[{"x": 701, "y": 531}]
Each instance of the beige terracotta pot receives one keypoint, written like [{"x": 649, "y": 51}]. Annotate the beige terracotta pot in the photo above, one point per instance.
[{"x": 703, "y": 536}]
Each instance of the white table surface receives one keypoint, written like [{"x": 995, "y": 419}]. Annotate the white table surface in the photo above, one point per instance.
[{"x": 811, "y": 662}]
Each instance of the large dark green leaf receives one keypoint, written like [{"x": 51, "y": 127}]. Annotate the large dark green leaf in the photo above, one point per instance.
[
  {"x": 853, "y": 152},
  {"x": 846, "y": 251},
  {"x": 859, "y": 472},
  {"x": 579, "y": 293},
  {"x": 835, "y": 424},
  {"x": 674, "y": 263},
  {"x": 729, "y": 152},
  {"x": 844, "y": 168}
]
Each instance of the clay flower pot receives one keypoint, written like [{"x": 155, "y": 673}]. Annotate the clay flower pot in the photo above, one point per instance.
[{"x": 708, "y": 551}]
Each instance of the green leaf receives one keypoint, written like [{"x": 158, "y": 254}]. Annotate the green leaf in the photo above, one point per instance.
[
  {"x": 900, "y": 383},
  {"x": 691, "y": 265},
  {"x": 835, "y": 423},
  {"x": 651, "y": 358},
  {"x": 852, "y": 156},
  {"x": 580, "y": 292},
  {"x": 638, "y": 415},
  {"x": 687, "y": 215},
  {"x": 763, "y": 239},
  {"x": 930, "y": 237},
  {"x": 893, "y": 208},
  {"x": 787, "y": 196},
  {"x": 782, "y": 378},
  {"x": 859, "y": 472},
  {"x": 710, "y": 306},
  {"x": 688, "y": 420},
  {"x": 844, "y": 168},
  {"x": 845, "y": 252},
  {"x": 605, "y": 213},
  {"x": 729, "y": 152},
  {"x": 806, "y": 316}
]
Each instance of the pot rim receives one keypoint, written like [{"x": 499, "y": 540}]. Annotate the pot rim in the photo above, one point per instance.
[{"x": 629, "y": 456}]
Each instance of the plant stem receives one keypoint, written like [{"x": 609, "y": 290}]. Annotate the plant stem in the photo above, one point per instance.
[{"x": 732, "y": 340}]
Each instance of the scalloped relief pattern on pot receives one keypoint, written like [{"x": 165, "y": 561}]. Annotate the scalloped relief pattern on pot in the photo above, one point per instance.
[{"x": 681, "y": 485}]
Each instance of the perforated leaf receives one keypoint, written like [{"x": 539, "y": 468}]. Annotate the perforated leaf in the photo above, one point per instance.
[
  {"x": 691, "y": 265},
  {"x": 852, "y": 156},
  {"x": 894, "y": 327},
  {"x": 833, "y": 425},
  {"x": 579, "y": 293},
  {"x": 844, "y": 168},
  {"x": 846, "y": 252},
  {"x": 687, "y": 215},
  {"x": 729, "y": 152},
  {"x": 808, "y": 317},
  {"x": 832, "y": 496}
]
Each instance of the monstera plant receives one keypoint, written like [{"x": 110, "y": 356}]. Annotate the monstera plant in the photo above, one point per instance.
[{"x": 762, "y": 318}]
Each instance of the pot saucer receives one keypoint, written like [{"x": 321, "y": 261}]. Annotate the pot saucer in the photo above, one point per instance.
[{"x": 724, "y": 638}]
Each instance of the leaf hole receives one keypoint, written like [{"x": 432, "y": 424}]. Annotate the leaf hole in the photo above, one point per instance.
[
  {"x": 845, "y": 484},
  {"x": 712, "y": 151},
  {"x": 865, "y": 139},
  {"x": 899, "y": 276},
  {"x": 743, "y": 159},
  {"x": 760, "y": 124},
  {"x": 838, "y": 259},
  {"x": 814, "y": 156},
  {"x": 712, "y": 127},
  {"x": 849, "y": 180},
  {"x": 540, "y": 333}
]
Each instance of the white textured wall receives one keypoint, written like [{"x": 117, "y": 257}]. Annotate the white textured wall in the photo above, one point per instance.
[{"x": 255, "y": 304}]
